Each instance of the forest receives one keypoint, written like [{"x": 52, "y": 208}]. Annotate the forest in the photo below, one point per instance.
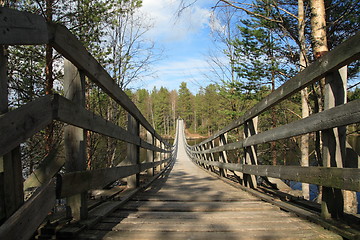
[{"x": 258, "y": 45}]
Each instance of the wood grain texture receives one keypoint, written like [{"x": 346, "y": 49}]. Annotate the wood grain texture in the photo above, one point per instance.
[
  {"x": 187, "y": 203},
  {"x": 71, "y": 48},
  {"x": 338, "y": 116},
  {"x": 18, "y": 125},
  {"x": 32, "y": 28},
  {"x": 342, "y": 178},
  {"x": 340, "y": 56},
  {"x": 24, "y": 222},
  {"x": 77, "y": 182}
]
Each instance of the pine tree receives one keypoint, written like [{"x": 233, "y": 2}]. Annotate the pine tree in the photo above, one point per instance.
[{"x": 185, "y": 105}]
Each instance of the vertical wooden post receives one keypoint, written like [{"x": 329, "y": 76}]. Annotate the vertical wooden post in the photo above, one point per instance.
[
  {"x": 133, "y": 152},
  {"x": 212, "y": 158},
  {"x": 75, "y": 138},
  {"x": 203, "y": 156},
  {"x": 11, "y": 181},
  {"x": 162, "y": 155},
  {"x": 222, "y": 154},
  {"x": 334, "y": 143},
  {"x": 250, "y": 128},
  {"x": 157, "y": 143},
  {"x": 150, "y": 153}
]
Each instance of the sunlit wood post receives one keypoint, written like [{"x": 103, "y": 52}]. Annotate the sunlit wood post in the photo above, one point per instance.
[
  {"x": 133, "y": 152},
  {"x": 334, "y": 143},
  {"x": 150, "y": 153},
  {"x": 157, "y": 144},
  {"x": 222, "y": 154},
  {"x": 11, "y": 180},
  {"x": 250, "y": 128},
  {"x": 162, "y": 154},
  {"x": 75, "y": 138},
  {"x": 203, "y": 156},
  {"x": 212, "y": 158}
]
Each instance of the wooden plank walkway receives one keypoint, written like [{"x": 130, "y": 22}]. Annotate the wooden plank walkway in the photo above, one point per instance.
[{"x": 187, "y": 203}]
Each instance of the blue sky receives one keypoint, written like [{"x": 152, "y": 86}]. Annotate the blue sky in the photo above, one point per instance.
[{"x": 185, "y": 41}]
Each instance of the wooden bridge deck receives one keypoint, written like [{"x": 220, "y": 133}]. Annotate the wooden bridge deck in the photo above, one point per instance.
[{"x": 187, "y": 203}]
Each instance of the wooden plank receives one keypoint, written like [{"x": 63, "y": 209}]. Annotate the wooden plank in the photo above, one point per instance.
[
  {"x": 338, "y": 116},
  {"x": 18, "y": 125},
  {"x": 75, "y": 139},
  {"x": 250, "y": 129},
  {"x": 342, "y": 178},
  {"x": 198, "y": 226},
  {"x": 45, "y": 171},
  {"x": 133, "y": 152},
  {"x": 150, "y": 155},
  {"x": 71, "y": 48},
  {"x": 76, "y": 115},
  {"x": 340, "y": 56},
  {"x": 335, "y": 226},
  {"x": 196, "y": 235},
  {"x": 24, "y": 222},
  {"x": 198, "y": 206},
  {"x": 22, "y": 28},
  {"x": 333, "y": 143},
  {"x": 76, "y": 182}
]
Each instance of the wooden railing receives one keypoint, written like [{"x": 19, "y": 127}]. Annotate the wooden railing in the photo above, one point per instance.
[
  {"x": 20, "y": 219},
  {"x": 332, "y": 122}
]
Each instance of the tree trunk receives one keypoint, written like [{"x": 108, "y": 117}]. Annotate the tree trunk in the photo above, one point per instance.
[
  {"x": 49, "y": 131},
  {"x": 304, "y": 102}
]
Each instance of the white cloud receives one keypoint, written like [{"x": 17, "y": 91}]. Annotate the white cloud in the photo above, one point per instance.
[
  {"x": 170, "y": 27},
  {"x": 189, "y": 70}
]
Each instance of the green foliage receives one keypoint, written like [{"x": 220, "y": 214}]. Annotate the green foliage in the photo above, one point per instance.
[{"x": 185, "y": 104}]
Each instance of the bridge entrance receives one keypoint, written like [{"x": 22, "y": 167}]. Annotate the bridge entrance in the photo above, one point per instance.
[{"x": 188, "y": 203}]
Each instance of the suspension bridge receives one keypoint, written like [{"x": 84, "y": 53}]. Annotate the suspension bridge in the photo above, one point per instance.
[{"x": 180, "y": 191}]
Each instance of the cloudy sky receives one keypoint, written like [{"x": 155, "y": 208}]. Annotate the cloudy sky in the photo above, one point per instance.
[{"x": 185, "y": 41}]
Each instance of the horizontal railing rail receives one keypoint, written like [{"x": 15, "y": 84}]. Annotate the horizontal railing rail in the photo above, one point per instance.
[
  {"x": 18, "y": 125},
  {"x": 331, "y": 122}
]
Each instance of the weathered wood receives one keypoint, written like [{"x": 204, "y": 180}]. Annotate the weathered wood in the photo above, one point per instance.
[
  {"x": 10, "y": 163},
  {"x": 22, "y": 28},
  {"x": 342, "y": 178},
  {"x": 77, "y": 182},
  {"x": 150, "y": 154},
  {"x": 250, "y": 129},
  {"x": 24, "y": 222},
  {"x": 333, "y": 148},
  {"x": 157, "y": 155},
  {"x": 170, "y": 217},
  {"x": 75, "y": 139},
  {"x": 71, "y": 48},
  {"x": 13, "y": 181},
  {"x": 340, "y": 56},
  {"x": 133, "y": 152},
  {"x": 337, "y": 227},
  {"x": 223, "y": 154},
  {"x": 3, "y": 109},
  {"x": 76, "y": 115},
  {"x": 45, "y": 171},
  {"x": 18, "y": 125},
  {"x": 342, "y": 115}
]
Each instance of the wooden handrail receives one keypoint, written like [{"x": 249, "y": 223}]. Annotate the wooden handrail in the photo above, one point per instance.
[
  {"x": 19, "y": 28},
  {"x": 331, "y": 121},
  {"x": 34, "y": 30},
  {"x": 77, "y": 182},
  {"x": 340, "y": 56},
  {"x": 342, "y": 178},
  {"x": 342, "y": 115},
  {"x": 18, "y": 125}
]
